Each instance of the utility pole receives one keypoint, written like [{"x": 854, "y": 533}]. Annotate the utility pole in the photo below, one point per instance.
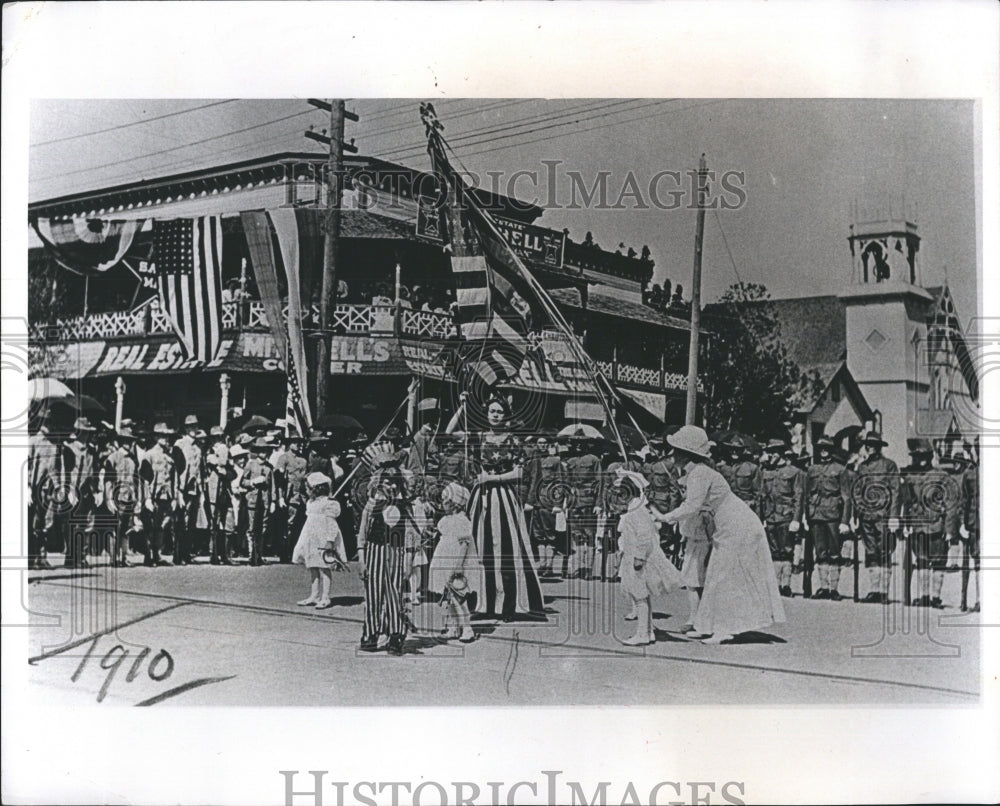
[
  {"x": 331, "y": 240},
  {"x": 692, "y": 380}
]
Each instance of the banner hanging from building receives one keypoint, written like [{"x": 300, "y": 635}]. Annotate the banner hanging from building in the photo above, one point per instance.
[{"x": 536, "y": 244}]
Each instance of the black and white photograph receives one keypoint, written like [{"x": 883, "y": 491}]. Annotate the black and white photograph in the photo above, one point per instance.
[{"x": 442, "y": 411}]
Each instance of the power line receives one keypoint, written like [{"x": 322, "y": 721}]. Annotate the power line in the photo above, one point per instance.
[
  {"x": 178, "y": 148},
  {"x": 586, "y": 129},
  {"x": 507, "y": 131},
  {"x": 133, "y": 123}
]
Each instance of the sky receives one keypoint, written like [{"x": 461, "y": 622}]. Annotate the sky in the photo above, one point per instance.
[{"x": 802, "y": 165}]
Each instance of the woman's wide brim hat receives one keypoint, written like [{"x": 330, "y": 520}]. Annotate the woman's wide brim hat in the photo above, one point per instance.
[
  {"x": 691, "y": 439},
  {"x": 456, "y": 494}
]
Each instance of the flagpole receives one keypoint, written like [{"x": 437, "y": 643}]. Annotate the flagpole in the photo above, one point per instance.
[
  {"x": 548, "y": 305},
  {"x": 381, "y": 433},
  {"x": 692, "y": 379}
]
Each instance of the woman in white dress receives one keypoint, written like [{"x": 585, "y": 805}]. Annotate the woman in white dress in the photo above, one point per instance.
[{"x": 741, "y": 590}]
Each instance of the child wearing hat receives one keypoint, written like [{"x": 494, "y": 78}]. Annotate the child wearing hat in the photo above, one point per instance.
[
  {"x": 320, "y": 547},
  {"x": 455, "y": 569},
  {"x": 645, "y": 569}
]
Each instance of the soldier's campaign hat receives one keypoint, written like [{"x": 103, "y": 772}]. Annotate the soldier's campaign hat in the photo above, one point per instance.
[
  {"x": 690, "y": 439},
  {"x": 238, "y": 451},
  {"x": 825, "y": 442},
  {"x": 261, "y": 444},
  {"x": 775, "y": 445},
  {"x": 216, "y": 431},
  {"x": 874, "y": 438},
  {"x": 919, "y": 445},
  {"x": 162, "y": 429},
  {"x": 125, "y": 432},
  {"x": 191, "y": 419},
  {"x": 243, "y": 438},
  {"x": 200, "y": 433},
  {"x": 82, "y": 424}
]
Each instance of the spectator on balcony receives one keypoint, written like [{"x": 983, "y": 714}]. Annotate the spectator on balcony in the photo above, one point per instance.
[
  {"x": 404, "y": 297},
  {"x": 631, "y": 253},
  {"x": 231, "y": 290},
  {"x": 381, "y": 295}
]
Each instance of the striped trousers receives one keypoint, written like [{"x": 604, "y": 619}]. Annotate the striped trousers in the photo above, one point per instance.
[{"x": 383, "y": 592}]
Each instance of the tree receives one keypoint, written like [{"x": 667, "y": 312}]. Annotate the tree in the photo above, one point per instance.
[{"x": 752, "y": 382}]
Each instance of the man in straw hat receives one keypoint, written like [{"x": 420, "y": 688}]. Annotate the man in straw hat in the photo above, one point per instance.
[
  {"x": 875, "y": 501},
  {"x": 162, "y": 492},
  {"x": 828, "y": 514},
  {"x": 190, "y": 483}
]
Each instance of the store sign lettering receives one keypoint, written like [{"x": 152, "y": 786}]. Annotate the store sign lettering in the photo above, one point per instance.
[{"x": 153, "y": 358}]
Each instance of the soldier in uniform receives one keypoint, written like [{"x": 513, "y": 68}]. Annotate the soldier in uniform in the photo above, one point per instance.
[
  {"x": 664, "y": 492},
  {"x": 781, "y": 509},
  {"x": 239, "y": 456},
  {"x": 83, "y": 491},
  {"x": 747, "y": 481},
  {"x": 257, "y": 484},
  {"x": 969, "y": 529},
  {"x": 583, "y": 474},
  {"x": 930, "y": 503},
  {"x": 162, "y": 493},
  {"x": 122, "y": 494},
  {"x": 827, "y": 514},
  {"x": 290, "y": 474},
  {"x": 729, "y": 456},
  {"x": 220, "y": 506},
  {"x": 875, "y": 502},
  {"x": 546, "y": 494},
  {"x": 46, "y": 463},
  {"x": 190, "y": 484}
]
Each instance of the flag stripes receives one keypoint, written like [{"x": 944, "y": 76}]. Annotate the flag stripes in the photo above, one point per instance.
[{"x": 188, "y": 264}]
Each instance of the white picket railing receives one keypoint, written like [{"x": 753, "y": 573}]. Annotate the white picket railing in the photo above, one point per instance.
[{"x": 149, "y": 319}]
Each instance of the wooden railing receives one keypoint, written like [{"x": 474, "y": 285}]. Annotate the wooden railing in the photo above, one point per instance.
[{"x": 350, "y": 320}]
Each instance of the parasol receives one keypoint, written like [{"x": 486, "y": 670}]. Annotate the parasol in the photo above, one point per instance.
[
  {"x": 48, "y": 389},
  {"x": 581, "y": 430}
]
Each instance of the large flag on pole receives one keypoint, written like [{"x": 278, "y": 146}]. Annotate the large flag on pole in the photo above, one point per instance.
[
  {"x": 499, "y": 280},
  {"x": 187, "y": 254}
]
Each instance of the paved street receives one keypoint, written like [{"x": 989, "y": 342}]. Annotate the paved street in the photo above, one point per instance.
[{"x": 234, "y": 636}]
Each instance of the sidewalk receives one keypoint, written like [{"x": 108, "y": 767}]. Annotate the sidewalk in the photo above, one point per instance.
[{"x": 235, "y": 637}]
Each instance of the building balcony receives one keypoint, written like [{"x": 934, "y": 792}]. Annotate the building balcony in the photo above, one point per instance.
[{"x": 149, "y": 320}]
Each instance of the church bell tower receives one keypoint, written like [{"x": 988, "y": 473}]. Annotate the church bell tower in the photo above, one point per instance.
[{"x": 886, "y": 320}]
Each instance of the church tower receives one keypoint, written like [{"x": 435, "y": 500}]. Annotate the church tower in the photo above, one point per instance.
[{"x": 886, "y": 308}]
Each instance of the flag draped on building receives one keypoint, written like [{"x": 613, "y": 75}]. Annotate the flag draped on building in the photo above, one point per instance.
[
  {"x": 87, "y": 246},
  {"x": 187, "y": 254},
  {"x": 286, "y": 330}
]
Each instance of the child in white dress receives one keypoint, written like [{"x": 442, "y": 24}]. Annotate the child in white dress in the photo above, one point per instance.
[
  {"x": 645, "y": 569},
  {"x": 320, "y": 546},
  {"x": 455, "y": 569}
]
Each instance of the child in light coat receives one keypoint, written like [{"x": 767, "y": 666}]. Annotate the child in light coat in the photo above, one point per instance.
[
  {"x": 320, "y": 546},
  {"x": 455, "y": 569},
  {"x": 645, "y": 569}
]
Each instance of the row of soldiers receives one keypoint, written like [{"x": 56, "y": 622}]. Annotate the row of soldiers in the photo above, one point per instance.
[
  {"x": 929, "y": 507},
  {"x": 245, "y": 494},
  {"x": 100, "y": 489}
]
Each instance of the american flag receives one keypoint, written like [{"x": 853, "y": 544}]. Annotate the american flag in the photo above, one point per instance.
[
  {"x": 188, "y": 260},
  {"x": 491, "y": 291},
  {"x": 296, "y": 411}
]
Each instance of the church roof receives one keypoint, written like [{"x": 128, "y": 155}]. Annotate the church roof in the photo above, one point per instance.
[{"x": 814, "y": 330}]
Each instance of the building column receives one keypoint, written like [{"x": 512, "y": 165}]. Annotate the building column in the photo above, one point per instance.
[
  {"x": 119, "y": 401},
  {"x": 224, "y": 385}
]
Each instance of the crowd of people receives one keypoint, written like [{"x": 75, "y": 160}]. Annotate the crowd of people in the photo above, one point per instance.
[{"x": 480, "y": 519}]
